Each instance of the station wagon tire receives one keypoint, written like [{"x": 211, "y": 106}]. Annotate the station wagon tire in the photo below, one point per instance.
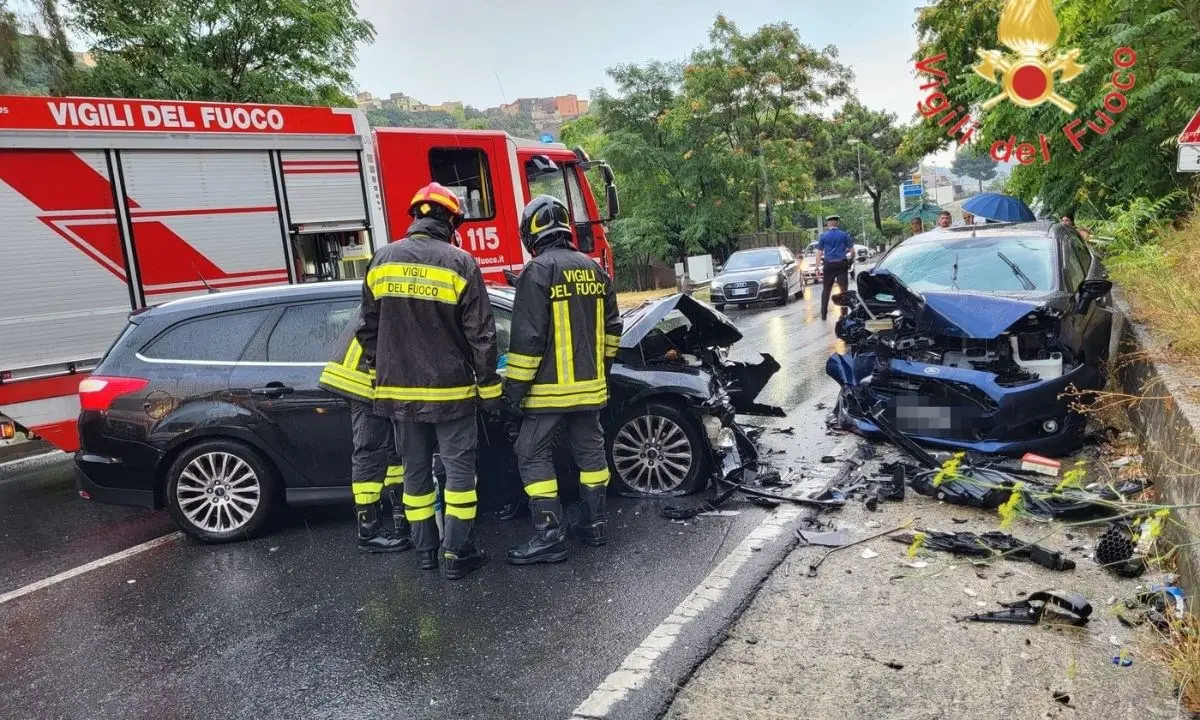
[
  {"x": 220, "y": 491},
  {"x": 719, "y": 307},
  {"x": 656, "y": 450}
]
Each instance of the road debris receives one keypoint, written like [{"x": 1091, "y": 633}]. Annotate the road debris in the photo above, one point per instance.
[
  {"x": 1115, "y": 551},
  {"x": 868, "y": 554},
  {"x": 1124, "y": 461},
  {"x": 812, "y": 567},
  {"x": 1040, "y": 465},
  {"x": 1072, "y": 607},
  {"x": 988, "y": 545},
  {"x": 822, "y": 539}
]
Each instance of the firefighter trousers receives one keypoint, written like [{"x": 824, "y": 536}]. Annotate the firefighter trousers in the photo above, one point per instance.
[
  {"x": 534, "y": 450},
  {"x": 456, "y": 442},
  {"x": 374, "y": 462}
]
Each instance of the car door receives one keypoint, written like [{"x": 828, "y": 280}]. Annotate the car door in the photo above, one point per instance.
[
  {"x": 1097, "y": 330},
  {"x": 277, "y": 381},
  {"x": 496, "y": 463},
  {"x": 790, "y": 268},
  {"x": 1088, "y": 332}
]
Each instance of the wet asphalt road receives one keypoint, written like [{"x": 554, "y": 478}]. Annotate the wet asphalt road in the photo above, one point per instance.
[{"x": 298, "y": 624}]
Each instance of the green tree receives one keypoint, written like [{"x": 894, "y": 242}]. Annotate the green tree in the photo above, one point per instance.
[
  {"x": 749, "y": 89},
  {"x": 675, "y": 175},
  {"x": 1135, "y": 158},
  {"x": 860, "y": 140},
  {"x": 34, "y": 54},
  {"x": 298, "y": 51},
  {"x": 975, "y": 162}
]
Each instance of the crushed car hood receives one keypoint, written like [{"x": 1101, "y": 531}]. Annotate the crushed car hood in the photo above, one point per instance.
[
  {"x": 968, "y": 315},
  {"x": 715, "y": 330}
]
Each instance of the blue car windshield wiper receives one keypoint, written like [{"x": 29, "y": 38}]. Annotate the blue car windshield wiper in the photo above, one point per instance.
[{"x": 1025, "y": 281}]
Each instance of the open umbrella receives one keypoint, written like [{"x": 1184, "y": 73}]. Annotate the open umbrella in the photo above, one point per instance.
[
  {"x": 927, "y": 211},
  {"x": 998, "y": 207}
]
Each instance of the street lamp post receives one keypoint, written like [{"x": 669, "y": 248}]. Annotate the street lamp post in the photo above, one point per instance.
[{"x": 862, "y": 211}]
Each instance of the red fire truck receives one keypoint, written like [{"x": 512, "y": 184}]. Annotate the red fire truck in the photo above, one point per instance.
[{"x": 110, "y": 205}]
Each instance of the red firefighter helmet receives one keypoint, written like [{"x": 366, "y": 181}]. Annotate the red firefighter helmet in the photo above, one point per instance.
[{"x": 435, "y": 194}]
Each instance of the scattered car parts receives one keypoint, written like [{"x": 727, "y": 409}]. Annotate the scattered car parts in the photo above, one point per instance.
[
  {"x": 1030, "y": 611},
  {"x": 987, "y": 545}
]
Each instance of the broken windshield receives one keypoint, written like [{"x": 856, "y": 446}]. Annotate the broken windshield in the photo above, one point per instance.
[{"x": 1010, "y": 265}]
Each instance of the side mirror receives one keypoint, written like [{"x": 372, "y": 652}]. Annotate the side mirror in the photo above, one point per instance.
[
  {"x": 585, "y": 238},
  {"x": 1089, "y": 292},
  {"x": 610, "y": 193},
  {"x": 511, "y": 277}
]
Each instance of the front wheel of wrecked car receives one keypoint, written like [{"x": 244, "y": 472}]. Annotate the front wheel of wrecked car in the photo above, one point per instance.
[{"x": 656, "y": 450}]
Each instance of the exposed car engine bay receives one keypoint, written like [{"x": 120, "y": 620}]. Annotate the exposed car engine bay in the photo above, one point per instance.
[
  {"x": 1027, "y": 352},
  {"x": 683, "y": 332}
]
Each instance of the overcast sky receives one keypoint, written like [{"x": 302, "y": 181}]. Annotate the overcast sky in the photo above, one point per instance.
[{"x": 471, "y": 49}]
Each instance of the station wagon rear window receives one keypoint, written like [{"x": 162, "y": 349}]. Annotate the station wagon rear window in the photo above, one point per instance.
[{"x": 216, "y": 338}]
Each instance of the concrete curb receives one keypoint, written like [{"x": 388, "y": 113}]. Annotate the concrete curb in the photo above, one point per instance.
[{"x": 1168, "y": 421}]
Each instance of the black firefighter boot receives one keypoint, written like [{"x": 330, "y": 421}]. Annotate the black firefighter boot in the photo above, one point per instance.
[
  {"x": 400, "y": 528},
  {"x": 372, "y": 537},
  {"x": 457, "y": 564},
  {"x": 547, "y": 544},
  {"x": 593, "y": 522}
]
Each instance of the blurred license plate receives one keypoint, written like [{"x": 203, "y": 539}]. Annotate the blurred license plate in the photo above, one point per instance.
[
  {"x": 879, "y": 325},
  {"x": 739, "y": 291}
]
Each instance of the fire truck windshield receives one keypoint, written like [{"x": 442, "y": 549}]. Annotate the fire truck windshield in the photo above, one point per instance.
[{"x": 558, "y": 184}]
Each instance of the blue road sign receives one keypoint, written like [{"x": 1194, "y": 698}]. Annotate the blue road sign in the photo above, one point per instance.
[{"x": 912, "y": 190}]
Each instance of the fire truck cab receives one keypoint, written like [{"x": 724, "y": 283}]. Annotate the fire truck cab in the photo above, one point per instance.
[
  {"x": 111, "y": 205},
  {"x": 495, "y": 175}
]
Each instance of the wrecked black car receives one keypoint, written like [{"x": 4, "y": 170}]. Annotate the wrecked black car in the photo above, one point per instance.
[
  {"x": 673, "y": 396},
  {"x": 223, "y": 388},
  {"x": 981, "y": 339}
]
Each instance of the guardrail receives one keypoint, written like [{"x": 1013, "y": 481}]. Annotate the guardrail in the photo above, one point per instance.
[{"x": 687, "y": 287}]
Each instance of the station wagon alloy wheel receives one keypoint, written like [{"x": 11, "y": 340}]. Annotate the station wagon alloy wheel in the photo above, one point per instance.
[
  {"x": 653, "y": 454},
  {"x": 218, "y": 492}
]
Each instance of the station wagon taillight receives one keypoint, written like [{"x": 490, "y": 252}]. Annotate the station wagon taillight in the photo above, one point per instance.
[{"x": 98, "y": 391}]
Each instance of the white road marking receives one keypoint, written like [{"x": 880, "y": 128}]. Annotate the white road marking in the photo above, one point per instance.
[
  {"x": 74, "y": 572},
  {"x": 638, "y": 666},
  {"x": 33, "y": 460}
]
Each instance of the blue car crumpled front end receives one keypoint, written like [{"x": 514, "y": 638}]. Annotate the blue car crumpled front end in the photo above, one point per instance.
[{"x": 960, "y": 371}]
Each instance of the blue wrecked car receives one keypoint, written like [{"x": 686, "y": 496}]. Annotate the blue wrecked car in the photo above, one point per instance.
[{"x": 985, "y": 339}]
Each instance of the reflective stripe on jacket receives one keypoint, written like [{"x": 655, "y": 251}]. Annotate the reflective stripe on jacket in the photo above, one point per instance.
[
  {"x": 565, "y": 332},
  {"x": 349, "y": 374},
  {"x": 428, "y": 324}
]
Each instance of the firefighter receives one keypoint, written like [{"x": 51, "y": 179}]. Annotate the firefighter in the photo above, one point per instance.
[
  {"x": 565, "y": 331},
  {"x": 428, "y": 325},
  {"x": 374, "y": 465}
]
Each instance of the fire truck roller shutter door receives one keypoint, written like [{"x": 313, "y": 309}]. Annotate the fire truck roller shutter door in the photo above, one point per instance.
[
  {"x": 64, "y": 297},
  {"x": 324, "y": 188},
  {"x": 203, "y": 217}
]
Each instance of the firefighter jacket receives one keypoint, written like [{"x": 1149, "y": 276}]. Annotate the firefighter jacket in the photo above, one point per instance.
[
  {"x": 348, "y": 373},
  {"x": 565, "y": 332},
  {"x": 427, "y": 323}
]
